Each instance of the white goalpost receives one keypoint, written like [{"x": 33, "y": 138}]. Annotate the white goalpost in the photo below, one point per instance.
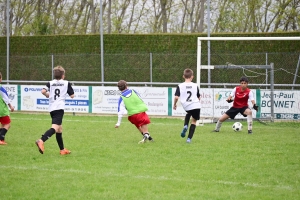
[{"x": 201, "y": 66}]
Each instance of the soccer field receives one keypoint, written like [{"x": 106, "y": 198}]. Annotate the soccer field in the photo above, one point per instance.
[{"x": 108, "y": 163}]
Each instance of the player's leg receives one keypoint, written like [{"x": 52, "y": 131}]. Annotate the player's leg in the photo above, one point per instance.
[
  {"x": 149, "y": 138},
  {"x": 248, "y": 113},
  {"x": 5, "y": 125},
  {"x": 195, "y": 113},
  {"x": 231, "y": 113},
  {"x": 141, "y": 121},
  {"x": 186, "y": 124}
]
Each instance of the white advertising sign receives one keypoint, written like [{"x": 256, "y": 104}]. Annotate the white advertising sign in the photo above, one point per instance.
[
  {"x": 286, "y": 104},
  {"x": 105, "y": 99},
  {"x": 33, "y": 100},
  {"x": 155, "y": 98}
]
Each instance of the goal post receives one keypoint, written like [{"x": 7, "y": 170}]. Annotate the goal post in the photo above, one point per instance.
[{"x": 229, "y": 65}]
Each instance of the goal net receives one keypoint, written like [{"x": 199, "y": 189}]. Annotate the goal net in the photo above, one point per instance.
[{"x": 273, "y": 77}]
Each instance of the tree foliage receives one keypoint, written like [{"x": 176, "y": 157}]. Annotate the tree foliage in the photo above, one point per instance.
[{"x": 51, "y": 17}]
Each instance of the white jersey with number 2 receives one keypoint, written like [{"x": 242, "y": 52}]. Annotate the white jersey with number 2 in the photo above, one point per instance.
[{"x": 189, "y": 96}]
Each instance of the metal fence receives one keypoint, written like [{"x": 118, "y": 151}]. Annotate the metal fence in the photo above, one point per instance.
[{"x": 154, "y": 69}]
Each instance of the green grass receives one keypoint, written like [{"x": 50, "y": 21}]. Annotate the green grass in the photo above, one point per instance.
[{"x": 108, "y": 163}]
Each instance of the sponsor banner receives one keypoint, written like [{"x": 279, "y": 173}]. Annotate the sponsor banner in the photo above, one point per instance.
[
  {"x": 155, "y": 98},
  {"x": 286, "y": 104},
  {"x": 105, "y": 99},
  {"x": 12, "y": 91},
  {"x": 33, "y": 100}
]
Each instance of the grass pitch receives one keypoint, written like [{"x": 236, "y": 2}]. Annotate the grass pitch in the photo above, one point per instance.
[{"x": 108, "y": 163}]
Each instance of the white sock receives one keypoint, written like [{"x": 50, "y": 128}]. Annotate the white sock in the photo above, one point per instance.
[
  {"x": 249, "y": 121},
  {"x": 218, "y": 125}
]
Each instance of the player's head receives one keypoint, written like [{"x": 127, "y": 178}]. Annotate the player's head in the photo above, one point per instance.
[
  {"x": 244, "y": 82},
  {"x": 0, "y": 76},
  {"x": 245, "y": 79},
  {"x": 122, "y": 85},
  {"x": 188, "y": 73},
  {"x": 58, "y": 72}
]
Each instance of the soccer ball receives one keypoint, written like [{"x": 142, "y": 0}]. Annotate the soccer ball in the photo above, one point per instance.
[{"x": 237, "y": 126}]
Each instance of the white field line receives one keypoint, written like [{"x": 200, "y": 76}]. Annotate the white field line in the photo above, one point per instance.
[
  {"x": 115, "y": 121},
  {"x": 160, "y": 178}
]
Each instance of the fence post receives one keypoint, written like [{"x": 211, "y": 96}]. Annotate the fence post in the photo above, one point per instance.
[
  {"x": 267, "y": 70},
  {"x": 52, "y": 65},
  {"x": 272, "y": 91},
  {"x": 151, "y": 68}
]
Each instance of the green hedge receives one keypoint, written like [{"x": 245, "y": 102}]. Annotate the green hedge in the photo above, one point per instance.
[
  {"x": 127, "y": 56},
  {"x": 126, "y": 43}
]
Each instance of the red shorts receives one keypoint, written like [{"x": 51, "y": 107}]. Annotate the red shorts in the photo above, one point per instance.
[
  {"x": 5, "y": 120},
  {"x": 139, "y": 119}
]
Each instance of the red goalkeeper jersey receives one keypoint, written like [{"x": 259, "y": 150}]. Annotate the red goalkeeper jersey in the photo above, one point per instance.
[{"x": 241, "y": 97}]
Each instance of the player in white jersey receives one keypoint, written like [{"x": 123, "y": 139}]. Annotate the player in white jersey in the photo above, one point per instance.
[
  {"x": 57, "y": 91},
  {"x": 189, "y": 96}
]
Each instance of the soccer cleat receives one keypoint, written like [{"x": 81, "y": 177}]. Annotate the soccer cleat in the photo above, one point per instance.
[
  {"x": 64, "y": 152},
  {"x": 40, "y": 144},
  {"x": 150, "y": 139},
  {"x": 184, "y": 131},
  {"x": 2, "y": 142},
  {"x": 249, "y": 131},
  {"x": 215, "y": 131},
  {"x": 146, "y": 136},
  {"x": 188, "y": 140}
]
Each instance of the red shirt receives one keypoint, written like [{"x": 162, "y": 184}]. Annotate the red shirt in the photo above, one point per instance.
[{"x": 241, "y": 97}]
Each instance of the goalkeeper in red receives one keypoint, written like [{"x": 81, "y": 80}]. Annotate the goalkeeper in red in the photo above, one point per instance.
[
  {"x": 241, "y": 96},
  {"x": 132, "y": 104}
]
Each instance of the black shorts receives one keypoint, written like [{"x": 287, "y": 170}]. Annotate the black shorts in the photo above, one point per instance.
[
  {"x": 232, "y": 112},
  {"x": 57, "y": 116},
  {"x": 195, "y": 113}
]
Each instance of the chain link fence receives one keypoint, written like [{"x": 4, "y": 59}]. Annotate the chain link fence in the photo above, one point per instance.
[{"x": 160, "y": 69}]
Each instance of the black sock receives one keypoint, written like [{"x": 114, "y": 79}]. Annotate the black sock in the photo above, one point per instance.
[
  {"x": 48, "y": 134},
  {"x": 192, "y": 130},
  {"x": 60, "y": 141},
  {"x": 187, "y": 119},
  {"x": 3, "y": 132}
]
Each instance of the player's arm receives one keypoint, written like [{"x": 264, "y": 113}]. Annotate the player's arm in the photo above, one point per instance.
[
  {"x": 251, "y": 97},
  {"x": 6, "y": 99},
  {"x": 121, "y": 111},
  {"x": 229, "y": 99},
  {"x": 45, "y": 90},
  {"x": 70, "y": 90},
  {"x": 198, "y": 93},
  {"x": 177, "y": 95}
]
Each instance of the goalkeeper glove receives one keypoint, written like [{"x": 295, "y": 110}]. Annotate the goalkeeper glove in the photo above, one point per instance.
[
  {"x": 255, "y": 107},
  {"x": 229, "y": 100}
]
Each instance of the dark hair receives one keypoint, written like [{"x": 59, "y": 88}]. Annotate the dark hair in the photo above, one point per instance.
[
  {"x": 244, "y": 78},
  {"x": 122, "y": 85},
  {"x": 188, "y": 73}
]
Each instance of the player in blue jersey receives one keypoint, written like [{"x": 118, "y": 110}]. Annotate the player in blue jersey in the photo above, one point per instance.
[
  {"x": 4, "y": 113},
  {"x": 130, "y": 103},
  {"x": 57, "y": 91}
]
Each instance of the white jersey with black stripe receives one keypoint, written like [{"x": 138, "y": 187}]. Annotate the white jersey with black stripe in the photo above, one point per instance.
[
  {"x": 58, "y": 91},
  {"x": 189, "y": 95}
]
